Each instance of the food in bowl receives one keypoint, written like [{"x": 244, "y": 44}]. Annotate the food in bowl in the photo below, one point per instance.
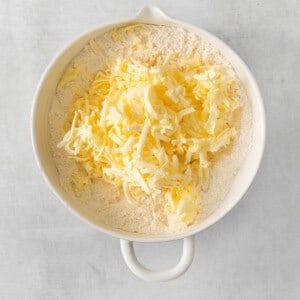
[{"x": 149, "y": 126}]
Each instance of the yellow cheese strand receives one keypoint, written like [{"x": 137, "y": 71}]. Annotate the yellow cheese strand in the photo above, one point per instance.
[{"x": 150, "y": 129}]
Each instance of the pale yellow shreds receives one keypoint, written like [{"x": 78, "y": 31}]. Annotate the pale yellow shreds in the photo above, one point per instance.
[{"x": 150, "y": 129}]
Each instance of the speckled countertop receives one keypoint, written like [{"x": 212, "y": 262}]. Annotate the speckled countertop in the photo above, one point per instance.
[{"x": 253, "y": 253}]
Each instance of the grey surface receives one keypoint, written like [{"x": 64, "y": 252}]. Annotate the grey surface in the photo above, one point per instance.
[{"x": 253, "y": 253}]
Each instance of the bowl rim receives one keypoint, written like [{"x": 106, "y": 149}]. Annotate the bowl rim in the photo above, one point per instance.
[{"x": 122, "y": 234}]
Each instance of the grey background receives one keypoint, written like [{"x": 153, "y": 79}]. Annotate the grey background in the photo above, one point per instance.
[{"x": 253, "y": 253}]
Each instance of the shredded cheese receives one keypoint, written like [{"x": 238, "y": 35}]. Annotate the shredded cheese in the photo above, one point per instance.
[{"x": 151, "y": 129}]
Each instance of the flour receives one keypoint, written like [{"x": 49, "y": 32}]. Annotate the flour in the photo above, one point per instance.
[{"x": 101, "y": 202}]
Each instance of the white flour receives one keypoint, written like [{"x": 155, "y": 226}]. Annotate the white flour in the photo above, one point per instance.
[{"x": 100, "y": 202}]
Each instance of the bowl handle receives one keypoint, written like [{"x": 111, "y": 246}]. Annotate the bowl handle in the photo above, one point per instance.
[
  {"x": 151, "y": 13},
  {"x": 140, "y": 271}
]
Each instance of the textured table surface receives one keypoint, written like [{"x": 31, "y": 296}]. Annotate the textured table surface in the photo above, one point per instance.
[{"x": 253, "y": 253}]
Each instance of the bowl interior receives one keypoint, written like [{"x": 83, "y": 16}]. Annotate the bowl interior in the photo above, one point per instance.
[{"x": 40, "y": 129}]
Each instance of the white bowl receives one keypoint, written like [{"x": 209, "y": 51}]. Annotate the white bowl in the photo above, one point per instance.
[{"x": 40, "y": 139}]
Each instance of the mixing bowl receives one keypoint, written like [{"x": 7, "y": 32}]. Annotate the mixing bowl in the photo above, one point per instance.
[{"x": 40, "y": 140}]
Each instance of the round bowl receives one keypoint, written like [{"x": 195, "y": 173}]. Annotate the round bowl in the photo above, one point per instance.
[{"x": 40, "y": 140}]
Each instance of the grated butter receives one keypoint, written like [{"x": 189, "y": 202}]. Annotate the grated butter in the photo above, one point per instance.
[{"x": 150, "y": 129}]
